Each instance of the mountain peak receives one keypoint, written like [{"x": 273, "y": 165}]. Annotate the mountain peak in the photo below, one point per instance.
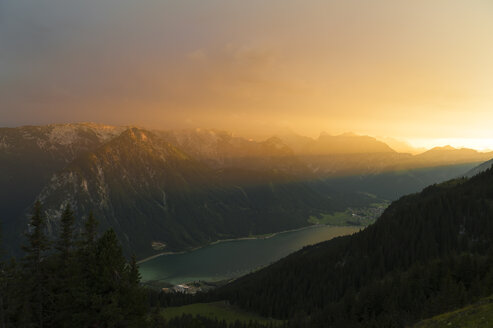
[
  {"x": 348, "y": 143},
  {"x": 136, "y": 134},
  {"x": 447, "y": 147}
]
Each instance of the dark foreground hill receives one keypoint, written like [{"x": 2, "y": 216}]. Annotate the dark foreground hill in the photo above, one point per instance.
[
  {"x": 428, "y": 253},
  {"x": 479, "y": 314}
]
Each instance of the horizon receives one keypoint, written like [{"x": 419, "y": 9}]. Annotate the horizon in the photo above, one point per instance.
[{"x": 401, "y": 145}]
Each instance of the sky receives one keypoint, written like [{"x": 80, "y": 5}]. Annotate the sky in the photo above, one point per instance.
[{"x": 420, "y": 70}]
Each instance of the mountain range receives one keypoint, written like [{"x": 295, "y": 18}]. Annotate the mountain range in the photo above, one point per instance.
[{"x": 175, "y": 190}]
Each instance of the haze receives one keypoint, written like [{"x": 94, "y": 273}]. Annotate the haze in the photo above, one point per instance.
[{"x": 419, "y": 71}]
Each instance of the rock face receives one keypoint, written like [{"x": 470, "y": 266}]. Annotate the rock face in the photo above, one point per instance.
[
  {"x": 134, "y": 184},
  {"x": 221, "y": 150},
  {"x": 30, "y": 155}
]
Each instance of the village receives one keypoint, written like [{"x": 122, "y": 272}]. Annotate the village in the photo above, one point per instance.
[{"x": 190, "y": 288}]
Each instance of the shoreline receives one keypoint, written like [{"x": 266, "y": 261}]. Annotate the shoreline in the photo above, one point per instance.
[{"x": 265, "y": 236}]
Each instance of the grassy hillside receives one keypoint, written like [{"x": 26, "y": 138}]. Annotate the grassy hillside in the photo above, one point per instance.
[
  {"x": 216, "y": 310},
  {"x": 473, "y": 316}
]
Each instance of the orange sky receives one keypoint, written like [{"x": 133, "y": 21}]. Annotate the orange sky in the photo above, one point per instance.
[{"x": 417, "y": 70}]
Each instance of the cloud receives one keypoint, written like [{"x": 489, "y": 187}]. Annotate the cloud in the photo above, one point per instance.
[
  {"x": 198, "y": 55},
  {"x": 316, "y": 64}
]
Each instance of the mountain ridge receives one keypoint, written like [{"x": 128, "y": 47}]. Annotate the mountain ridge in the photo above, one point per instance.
[{"x": 228, "y": 172}]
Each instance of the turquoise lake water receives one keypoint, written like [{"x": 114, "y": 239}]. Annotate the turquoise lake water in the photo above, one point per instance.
[{"x": 230, "y": 259}]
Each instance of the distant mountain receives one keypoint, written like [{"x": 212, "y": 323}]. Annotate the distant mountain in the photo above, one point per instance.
[
  {"x": 343, "y": 155},
  {"x": 401, "y": 146},
  {"x": 451, "y": 155},
  {"x": 347, "y": 143},
  {"x": 350, "y": 154},
  {"x": 220, "y": 150},
  {"x": 480, "y": 168},
  {"x": 427, "y": 254}
]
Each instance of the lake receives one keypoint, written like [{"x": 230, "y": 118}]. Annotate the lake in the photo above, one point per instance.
[{"x": 230, "y": 259}]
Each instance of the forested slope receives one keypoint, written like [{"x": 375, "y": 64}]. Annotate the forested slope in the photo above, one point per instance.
[{"x": 428, "y": 253}]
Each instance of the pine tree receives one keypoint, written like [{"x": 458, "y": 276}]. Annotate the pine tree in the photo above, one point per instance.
[
  {"x": 63, "y": 272},
  {"x": 38, "y": 243},
  {"x": 13, "y": 293},
  {"x": 87, "y": 245},
  {"x": 135, "y": 297},
  {"x": 86, "y": 282},
  {"x": 110, "y": 277},
  {"x": 65, "y": 241},
  {"x": 36, "y": 249},
  {"x": 90, "y": 231},
  {"x": 133, "y": 272}
]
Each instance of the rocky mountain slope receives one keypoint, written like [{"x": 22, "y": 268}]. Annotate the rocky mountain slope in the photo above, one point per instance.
[
  {"x": 30, "y": 155},
  {"x": 181, "y": 189},
  {"x": 155, "y": 196},
  {"x": 220, "y": 149}
]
